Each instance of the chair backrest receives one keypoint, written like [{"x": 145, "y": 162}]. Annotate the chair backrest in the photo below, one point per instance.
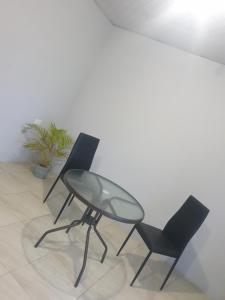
[
  {"x": 82, "y": 153},
  {"x": 185, "y": 222}
]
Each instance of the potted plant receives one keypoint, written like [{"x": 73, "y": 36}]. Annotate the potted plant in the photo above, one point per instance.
[{"x": 49, "y": 143}]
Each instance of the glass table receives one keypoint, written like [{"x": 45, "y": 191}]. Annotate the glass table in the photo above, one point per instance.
[{"x": 102, "y": 197}]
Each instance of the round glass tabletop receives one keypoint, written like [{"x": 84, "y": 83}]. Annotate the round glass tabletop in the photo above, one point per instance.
[{"x": 104, "y": 196}]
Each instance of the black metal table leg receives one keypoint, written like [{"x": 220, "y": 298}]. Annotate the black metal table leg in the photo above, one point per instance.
[
  {"x": 103, "y": 242},
  {"x": 92, "y": 222},
  {"x": 73, "y": 224},
  {"x": 85, "y": 256},
  {"x": 82, "y": 219}
]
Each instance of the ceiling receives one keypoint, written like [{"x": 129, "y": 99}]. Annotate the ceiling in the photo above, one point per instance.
[{"x": 196, "y": 26}]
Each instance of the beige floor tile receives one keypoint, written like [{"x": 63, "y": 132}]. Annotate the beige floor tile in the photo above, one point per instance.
[
  {"x": 14, "y": 167},
  {"x": 32, "y": 183},
  {"x": 11, "y": 258},
  {"x": 11, "y": 236},
  {"x": 23, "y": 175},
  {"x": 11, "y": 290},
  {"x": 19, "y": 239},
  {"x": 38, "y": 186},
  {"x": 24, "y": 205},
  {"x": 3, "y": 270},
  {"x": 36, "y": 287},
  {"x": 10, "y": 184},
  {"x": 7, "y": 215}
]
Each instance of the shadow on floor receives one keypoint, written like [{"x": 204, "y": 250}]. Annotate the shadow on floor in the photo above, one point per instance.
[
  {"x": 59, "y": 257},
  {"x": 154, "y": 273}
]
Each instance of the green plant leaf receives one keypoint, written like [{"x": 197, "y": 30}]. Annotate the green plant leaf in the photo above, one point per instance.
[{"x": 51, "y": 143}]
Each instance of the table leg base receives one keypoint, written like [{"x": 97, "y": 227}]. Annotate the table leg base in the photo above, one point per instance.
[{"x": 92, "y": 222}]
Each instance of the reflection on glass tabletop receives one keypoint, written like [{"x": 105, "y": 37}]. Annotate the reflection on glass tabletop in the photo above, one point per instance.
[{"x": 104, "y": 196}]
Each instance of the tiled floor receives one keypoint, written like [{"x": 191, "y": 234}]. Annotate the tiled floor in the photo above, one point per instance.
[{"x": 49, "y": 271}]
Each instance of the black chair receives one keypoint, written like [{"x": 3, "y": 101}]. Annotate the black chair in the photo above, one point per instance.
[
  {"x": 81, "y": 157},
  {"x": 172, "y": 240}
]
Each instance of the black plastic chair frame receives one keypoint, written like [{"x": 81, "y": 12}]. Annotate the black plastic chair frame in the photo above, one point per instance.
[
  {"x": 145, "y": 261},
  {"x": 198, "y": 210},
  {"x": 81, "y": 157}
]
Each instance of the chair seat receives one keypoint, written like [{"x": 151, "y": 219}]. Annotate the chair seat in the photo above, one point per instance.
[{"x": 156, "y": 241}]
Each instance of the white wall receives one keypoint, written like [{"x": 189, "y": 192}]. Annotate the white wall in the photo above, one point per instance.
[
  {"x": 160, "y": 114},
  {"x": 47, "y": 48}
]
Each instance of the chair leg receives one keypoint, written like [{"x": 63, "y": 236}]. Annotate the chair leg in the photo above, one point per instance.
[
  {"x": 71, "y": 200},
  {"x": 141, "y": 267},
  {"x": 63, "y": 207},
  {"x": 169, "y": 273},
  {"x": 127, "y": 238},
  {"x": 52, "y": 187}
]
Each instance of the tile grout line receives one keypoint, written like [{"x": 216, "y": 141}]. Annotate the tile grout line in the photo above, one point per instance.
[{"x": 3, "y": 226}]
